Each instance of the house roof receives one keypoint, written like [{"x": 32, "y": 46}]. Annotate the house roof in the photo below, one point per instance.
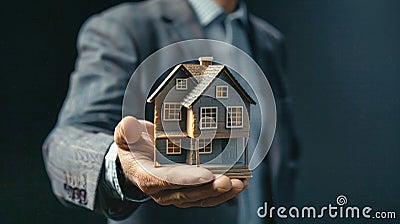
[
  {"x": 204, "y": 81},
  {"x": 163, "y": 84},
  {"x": 195, "y": 70},
  {"x": 204, "y": 75}
]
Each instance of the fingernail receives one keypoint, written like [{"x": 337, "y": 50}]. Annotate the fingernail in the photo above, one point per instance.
[
  {"x": 238, "y": 189},
  {"x": 222, "y": 190}
]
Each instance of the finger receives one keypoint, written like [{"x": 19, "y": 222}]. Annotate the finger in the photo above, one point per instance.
[
  {"x": 173, "y": 177},
  {"x": 237, "y": 187},
  {"x": 184, "y": 175},
  {"x": 152, "y": 180},
  {"x": 190, "y": 194}
]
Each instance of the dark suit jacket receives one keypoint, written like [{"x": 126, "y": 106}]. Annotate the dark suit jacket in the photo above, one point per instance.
[{"x": 111, "y": 45}]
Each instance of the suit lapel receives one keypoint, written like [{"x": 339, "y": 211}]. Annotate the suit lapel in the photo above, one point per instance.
[
  {"x": 257, "y": 44},
  {"x": 181, "y": 21}
]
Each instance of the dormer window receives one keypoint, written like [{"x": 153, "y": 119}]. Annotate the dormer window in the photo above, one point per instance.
[
  {"x": 181, "y": 84},
  {"x": 222, "y": 92}
]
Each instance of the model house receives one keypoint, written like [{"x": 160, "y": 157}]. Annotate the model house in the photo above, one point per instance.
[{"x": 202, "y": 117}]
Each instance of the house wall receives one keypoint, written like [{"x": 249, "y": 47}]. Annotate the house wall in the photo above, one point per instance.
[
  {"x": 161, "y": 145},
  {"x": 224, "y": 152},
  {"x": 208, "y": 99},
  {"x": 170, "y": 94},
  {"x": 232, "y": 152},
  {"x": 217, "y": 148}
]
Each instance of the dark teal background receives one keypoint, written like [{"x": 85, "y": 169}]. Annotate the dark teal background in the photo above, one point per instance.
[{"x": 344, "y": 76}]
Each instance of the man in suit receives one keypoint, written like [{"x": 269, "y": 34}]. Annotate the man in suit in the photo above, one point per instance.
[{"x": 80, "y": 155}]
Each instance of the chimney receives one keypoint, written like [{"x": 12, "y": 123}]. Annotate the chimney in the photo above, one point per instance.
[{"x": 206, "y": 61}]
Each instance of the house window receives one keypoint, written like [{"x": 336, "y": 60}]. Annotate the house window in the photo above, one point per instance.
[
  {"x": 222, "y": 92},
  {"x": 205, "y": 146},
  {"x": 173, "y": 146},
  {"x": 181, "y": 84},
  {"x": 208, "y": 117},
  {"x": 172, "y": 111},
  {"x": 234, "y": 118}
]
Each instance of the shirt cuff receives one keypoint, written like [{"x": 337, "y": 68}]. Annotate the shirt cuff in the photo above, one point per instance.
[{"x": 114, "y": 177}]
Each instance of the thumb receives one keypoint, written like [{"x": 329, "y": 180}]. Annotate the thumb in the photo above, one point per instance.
[{"x": 128, "y": 131}]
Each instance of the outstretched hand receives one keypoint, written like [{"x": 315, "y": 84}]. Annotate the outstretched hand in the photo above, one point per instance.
[{"x": 183, "y": 186}]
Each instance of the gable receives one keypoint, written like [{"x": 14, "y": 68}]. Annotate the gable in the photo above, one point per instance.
[
  {"x": 235, "y": 84},
  {"x": 213, "y": 74},
  {"x": 179, "y": 70}
]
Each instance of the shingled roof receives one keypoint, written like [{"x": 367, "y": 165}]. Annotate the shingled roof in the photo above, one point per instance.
[
  {"x": 205, "y": 80},
  {"x": 195, "y": 70},
  {"x": 204, "y": 75}
]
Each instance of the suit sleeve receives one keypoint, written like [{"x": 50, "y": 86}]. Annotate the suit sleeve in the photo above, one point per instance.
[{"x": 74, "y": 151}]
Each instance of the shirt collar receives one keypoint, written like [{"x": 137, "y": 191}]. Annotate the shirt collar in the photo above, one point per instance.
[{"x": 207, "y": 11}]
